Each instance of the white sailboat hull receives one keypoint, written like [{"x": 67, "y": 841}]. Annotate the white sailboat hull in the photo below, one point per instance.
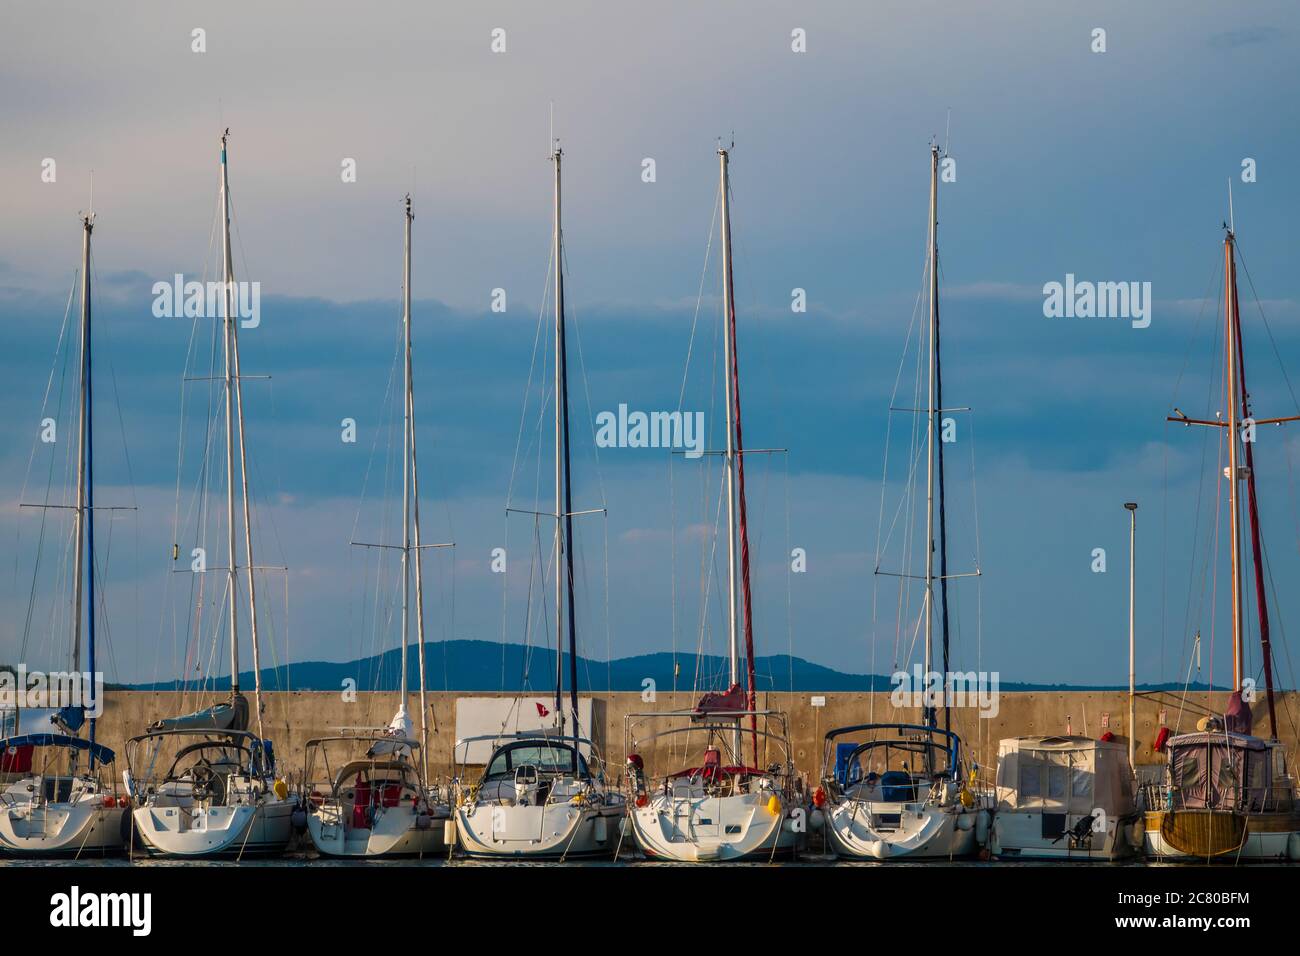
[
  {"x": 81, "y": 827},
  {"x": 708, "y": 829},
  {"x": 396, "y": 831},
  {"x": 551, "y": 831},
  {"x": 242, "y": 830},
  {"x": 865, "y": 830},
  {"x": 1019, "y": 836}
]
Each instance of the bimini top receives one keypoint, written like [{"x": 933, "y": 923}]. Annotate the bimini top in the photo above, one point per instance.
[
  {"x": 1064, "y": 774},
  {"x": 98, "y": 751}
]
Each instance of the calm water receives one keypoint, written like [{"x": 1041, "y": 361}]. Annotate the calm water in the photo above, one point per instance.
[{"x": 296, "y": 860}]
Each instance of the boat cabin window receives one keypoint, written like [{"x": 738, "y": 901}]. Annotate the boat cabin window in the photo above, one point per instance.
[{"x": 547, "y": 758}]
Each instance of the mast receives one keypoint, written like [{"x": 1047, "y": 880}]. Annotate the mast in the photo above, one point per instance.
[
  {"x": 943, "y": 488},
  {"x": 232, "y": 576},
  {"x": 563, "y": 491},
  {"x": 928, "y": 710},
  {"x": 1230, "y": 338},
  {"x": 733, "y": 643},
  {"x": 84, "y": 515},
  {"x": 736, "y": 464},
  {"x": 237, "y": 381},
  {"x": 406, "y": 451},
  {"x": 1236, "y": 391},
  {"x": 415, "y": 493},
  {"x": 736, "y": 468}
]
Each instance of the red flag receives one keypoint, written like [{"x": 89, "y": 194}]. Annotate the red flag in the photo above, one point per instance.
[{"x": 541, "y": 710}]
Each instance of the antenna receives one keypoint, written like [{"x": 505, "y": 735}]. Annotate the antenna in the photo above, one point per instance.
[
  {"x": 92, "y": 194},
  {"x": 550, "y": 142},
  {"x": 1232, "y": 227},
  {"x": 946, "y": 130}
]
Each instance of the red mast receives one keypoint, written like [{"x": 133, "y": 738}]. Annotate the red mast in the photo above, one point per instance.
[{"x": 1256, "y": 550}]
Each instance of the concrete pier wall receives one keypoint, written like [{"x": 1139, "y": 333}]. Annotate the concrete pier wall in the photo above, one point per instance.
[{"x": 290, "y": 719}]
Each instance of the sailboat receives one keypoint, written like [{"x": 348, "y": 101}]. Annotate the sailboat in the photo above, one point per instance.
[
  {"x": 538, "y": 796},
  {"x": 892, "y": 790},
  {"x": 44, "y": 813},
  {"x": 380, "y": 804},
  {"x": 721, "y": 808},
  {"x": 1226, "y": 793},
  {"x": 204, "y": 784}
]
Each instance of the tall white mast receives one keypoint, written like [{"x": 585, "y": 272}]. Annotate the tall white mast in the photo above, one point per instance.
[
  {"x": 243, "y": 468},
  {"x": 79, "y": 513},
  {"x": 232, "y": 576},
  {"x": 929, "y": 418},
  {"x": 406, "y": 453},
  {"x": 415, "y": 494},
  {"x": 730, "y": 453}
]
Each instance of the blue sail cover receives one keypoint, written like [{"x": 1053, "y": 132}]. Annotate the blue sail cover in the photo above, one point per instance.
[
  {"x": 70, "y": 719},
  {"x": 99, "y": 751}
]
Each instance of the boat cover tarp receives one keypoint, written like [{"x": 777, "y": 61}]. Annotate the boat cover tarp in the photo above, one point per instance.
[
  {"x": 1220, "y": 771},
  {"x": 1072, "y": 775},
  {"x": 99, "y": 751},
  {"x": 228, "y": 715}
]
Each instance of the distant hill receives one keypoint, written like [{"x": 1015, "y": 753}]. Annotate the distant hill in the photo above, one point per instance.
[{"x": 488, "y": 666}]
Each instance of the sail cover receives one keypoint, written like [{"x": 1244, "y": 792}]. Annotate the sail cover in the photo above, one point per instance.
[
  {"x": 228, "y": 715},
  {"x": 735, "y": 699},
  {"x": 397, "y": 738}
]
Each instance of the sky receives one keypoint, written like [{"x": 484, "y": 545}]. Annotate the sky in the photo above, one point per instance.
[{"x": 1106, "y": 165}]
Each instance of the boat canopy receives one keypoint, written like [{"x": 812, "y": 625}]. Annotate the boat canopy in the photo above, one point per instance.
[
  {"x": 1220, "y": 770},
  {"x": 98, "y": 751},
  {"x": 1074, "y": 775}
]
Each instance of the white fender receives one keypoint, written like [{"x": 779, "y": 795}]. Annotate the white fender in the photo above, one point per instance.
[{"x": 982, "y": 826}]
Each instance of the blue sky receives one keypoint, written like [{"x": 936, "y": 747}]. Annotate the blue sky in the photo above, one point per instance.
[{"x": 1111, "y": 166}]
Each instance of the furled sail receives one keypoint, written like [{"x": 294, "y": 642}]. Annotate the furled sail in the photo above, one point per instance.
[
  {"x": 228, "y": 715},
  {"x": 397, "y": 738}
]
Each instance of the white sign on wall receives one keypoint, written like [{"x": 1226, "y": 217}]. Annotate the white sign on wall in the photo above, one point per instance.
[{"x": 496, "y": 716}]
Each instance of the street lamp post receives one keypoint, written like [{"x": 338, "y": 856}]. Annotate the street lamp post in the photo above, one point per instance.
[{"x": 1131, "y": 506}]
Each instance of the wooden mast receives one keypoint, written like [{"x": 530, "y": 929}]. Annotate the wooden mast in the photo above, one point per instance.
[
  {"x": 1235, "y": 370},
  {"x": 1234, "y": 475}
]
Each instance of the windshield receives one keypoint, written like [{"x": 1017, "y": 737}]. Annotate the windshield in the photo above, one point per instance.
[{"x": 546, "y": 757}]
